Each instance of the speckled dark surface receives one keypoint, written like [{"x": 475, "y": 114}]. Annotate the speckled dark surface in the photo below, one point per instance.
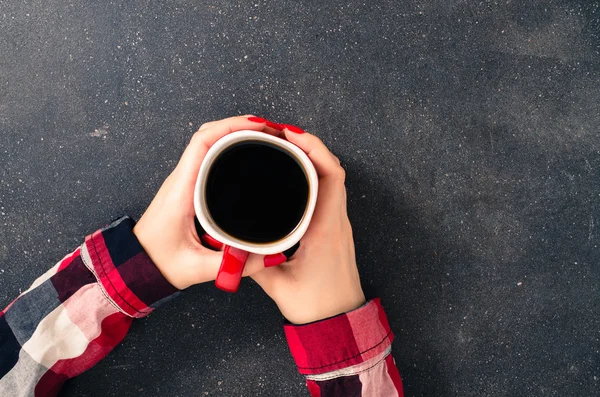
[{"x": 471, "y": 136}]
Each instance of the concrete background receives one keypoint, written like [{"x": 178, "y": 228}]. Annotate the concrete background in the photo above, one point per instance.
[{"x": 469, "y": 130}]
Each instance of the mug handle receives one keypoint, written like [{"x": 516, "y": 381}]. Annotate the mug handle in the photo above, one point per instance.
[
  {"x": 232, "y": 267},
  {"x": 211, "y": 242}
]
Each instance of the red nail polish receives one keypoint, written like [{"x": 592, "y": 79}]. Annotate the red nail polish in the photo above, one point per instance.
[
  {"x": 274, "y": 260},
  {"x": 211, "y": 241},
  {"x": 293, "y": 128},
  {"x": 269, "y": 123},
  {"x": 273, "y": 125},
  {"x": 257, "y": 119}
]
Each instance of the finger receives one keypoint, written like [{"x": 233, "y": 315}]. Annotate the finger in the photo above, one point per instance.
[
  {"x": 274, "y": 259},
  {"x": 329, "y": 210},
  {"x": 254, "y": 264},
  {"x": 271, "y": 127},
  {"x": 210, "y": 263},
  {"x": 331, "y": 197},
  {"x": 211, "y": 123},
  {"x": 207, "y": 125},
  {"x": 324, "y": 161},
  {"x": 204, "y": 265},
  {"x": 337, "y": 159},
  {"x": 192, "y": 157},
  {"x": 273, "y": 131},
  {"x": 271, "y": 279},
  {"x": 219, "y": 129}
]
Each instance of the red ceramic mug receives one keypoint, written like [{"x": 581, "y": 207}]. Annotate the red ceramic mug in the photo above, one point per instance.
[{"x": 236, "y": 249}]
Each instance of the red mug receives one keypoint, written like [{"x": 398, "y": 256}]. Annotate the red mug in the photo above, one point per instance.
[{"x": 237, "y": 250}]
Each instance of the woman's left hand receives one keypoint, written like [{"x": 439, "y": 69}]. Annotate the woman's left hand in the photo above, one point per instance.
[{"x": 167, "y": 231}]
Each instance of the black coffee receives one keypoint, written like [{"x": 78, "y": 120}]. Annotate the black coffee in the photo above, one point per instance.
[{"x": 256, "y": 192}]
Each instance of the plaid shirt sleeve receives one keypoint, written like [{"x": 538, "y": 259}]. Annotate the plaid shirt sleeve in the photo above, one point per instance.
[
  {"x": 347, "y": 355},
  {"x": 76, "y": 313}
]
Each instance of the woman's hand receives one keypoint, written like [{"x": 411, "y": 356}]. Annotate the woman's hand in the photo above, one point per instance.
[
  {"x": 167, "y": 231},
  {"x": 321, "y": 279}
]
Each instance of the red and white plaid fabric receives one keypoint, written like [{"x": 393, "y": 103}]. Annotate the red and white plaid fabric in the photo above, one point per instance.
[
  {"x": 76, "y": 313},
  {"x": 347, "y": 355}
]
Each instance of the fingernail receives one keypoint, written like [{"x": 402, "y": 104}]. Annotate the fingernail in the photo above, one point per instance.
[
  {"x": 293, "y": 128},
  {"x": 269, "y": 123},
  {"x": 276, "y": 126},
  {"x": 212, "y": 242},
  {"x": 274, "y": 260},
  {"x": 257, "y": 119}
]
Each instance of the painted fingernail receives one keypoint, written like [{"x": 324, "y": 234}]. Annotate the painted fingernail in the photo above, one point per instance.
[
  {"x": 293, "y": 128},
  {"x": 276, "y": 126},
  {"x": 257, "y": 119},
  {"x": 274, "y": 260},
  {"x": 211, "y": 242},
  {"x": 269, "y": 123}
]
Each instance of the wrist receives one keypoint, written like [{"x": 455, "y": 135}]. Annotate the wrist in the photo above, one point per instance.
[
  {"x": 126, "y": 274},
  {"x": 326, "y": 308},
  {"x": 146, "y": 243}
]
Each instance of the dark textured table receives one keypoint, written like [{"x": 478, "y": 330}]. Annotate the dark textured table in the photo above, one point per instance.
[{"x": 470, "y": 132}]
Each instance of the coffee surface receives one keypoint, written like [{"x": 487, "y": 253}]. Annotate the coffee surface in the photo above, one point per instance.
[{"x": 256, "y": 192}]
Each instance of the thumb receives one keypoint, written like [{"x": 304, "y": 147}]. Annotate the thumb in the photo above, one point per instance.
[
  {"x": 204, "y": 266},
  {"x": 271, "y": 279},
  {"x": 254, "y": 265}
]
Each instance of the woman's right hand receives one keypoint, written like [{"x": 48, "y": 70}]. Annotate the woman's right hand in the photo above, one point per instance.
[{"x": 321, "y": 279}]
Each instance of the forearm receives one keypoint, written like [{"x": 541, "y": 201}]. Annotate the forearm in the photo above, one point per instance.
[
  {"x": 76, "y": 313},
  {"x": 347, "y": 355}
]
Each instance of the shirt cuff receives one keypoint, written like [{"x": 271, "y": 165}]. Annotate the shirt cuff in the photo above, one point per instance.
[
  {"x": 126, "y": 274},
  {"x": 341, "y": 341}
]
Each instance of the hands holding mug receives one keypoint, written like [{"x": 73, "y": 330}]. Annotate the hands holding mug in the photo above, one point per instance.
[
  {"x": 320, "y": 280},
  {"x": 255, "y": 193}
]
